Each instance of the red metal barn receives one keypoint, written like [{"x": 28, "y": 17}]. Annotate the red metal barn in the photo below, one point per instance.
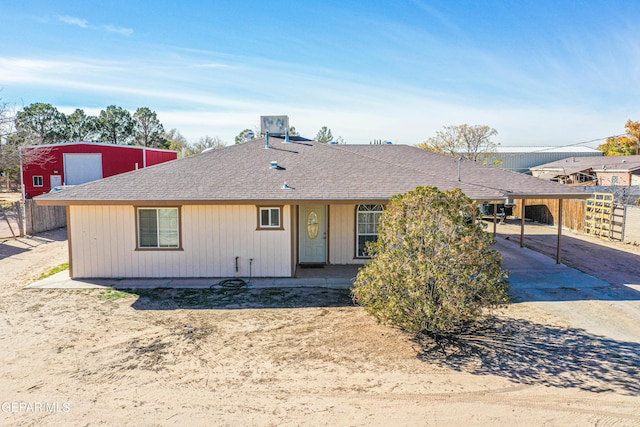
[{"x": 47, "y": 166}]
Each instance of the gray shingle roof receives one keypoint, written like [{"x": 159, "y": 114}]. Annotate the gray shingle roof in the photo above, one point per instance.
[
  {"x": 572, "y": 165},
  {"x": 314, "y": 171}
]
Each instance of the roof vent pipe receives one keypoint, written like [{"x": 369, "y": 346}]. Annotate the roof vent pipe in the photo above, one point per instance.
[
  {"x": 459, "y": 161},
  {"x": 286, "y": 136},
  {"x": 266, "y": 141}
]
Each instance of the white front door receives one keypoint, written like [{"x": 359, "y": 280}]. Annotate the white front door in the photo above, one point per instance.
[{"x": 313, "y": 234}]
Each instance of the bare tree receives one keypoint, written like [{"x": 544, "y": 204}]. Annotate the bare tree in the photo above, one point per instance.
[
  {"x": 176, "y": 141},
  {"x": 7, "y": 121},
  {"x": 464, "y": 141},
  {"x": 13, "y": 146},
  {"x": 205, "y": 143},
  {"x": 242, "y": 136}
]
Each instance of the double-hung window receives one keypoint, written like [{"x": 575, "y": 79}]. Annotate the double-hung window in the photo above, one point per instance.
[
  {"x": 158, "y": 228},
  {"x": 270, "y": 217},
  {"x": 368, "y": 220}
]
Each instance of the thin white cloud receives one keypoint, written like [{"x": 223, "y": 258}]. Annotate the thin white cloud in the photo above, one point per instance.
[
  {"x": 71, "y": 20},
  {"x": 117, "y": 30},
  {"x": 222, "y": 100},
  {"x": 83, "y": 23}
]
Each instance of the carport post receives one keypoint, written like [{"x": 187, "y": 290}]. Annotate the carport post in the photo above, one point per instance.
[
  {"x": 522, "y": 202},
  {"x": 495, "y": 218},
  {"x": 559, "y": 230}
]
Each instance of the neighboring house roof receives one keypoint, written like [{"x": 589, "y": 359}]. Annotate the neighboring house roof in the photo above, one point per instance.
[
  {"x": 573, "y": 165},
  {"x": 313, "y": 171}
]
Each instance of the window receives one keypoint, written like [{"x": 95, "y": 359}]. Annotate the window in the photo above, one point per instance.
[
  {"x": 37, "y": 181},
  {"x": 270, "y": 217},
  {"x": 158, "y": 228},
  {"x": 368, "y": 219}
]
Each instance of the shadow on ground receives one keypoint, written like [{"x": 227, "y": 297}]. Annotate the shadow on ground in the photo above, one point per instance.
[
  {"x": 11, "y": 246},
  {"x": 530, "y": 353},
  {"x": 7, "y": 251},
  {"x": 573, "y": 293},
  {"x": 606, "y": 263},
  {"x": 239, "y": 298}
]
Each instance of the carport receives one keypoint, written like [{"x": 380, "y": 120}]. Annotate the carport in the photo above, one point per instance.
[{"x": 522, "y": 198}]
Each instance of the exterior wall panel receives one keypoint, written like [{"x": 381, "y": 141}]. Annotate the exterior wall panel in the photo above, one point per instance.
[
  {"x": 623, "y": 179},
  {"x": 342, "y": 235},
  {"x": 521, "y": 162},
  {"x": 104, "y": 243}
]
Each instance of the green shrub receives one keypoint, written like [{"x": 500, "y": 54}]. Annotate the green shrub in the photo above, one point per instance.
[{"x": 432, "y": 269}]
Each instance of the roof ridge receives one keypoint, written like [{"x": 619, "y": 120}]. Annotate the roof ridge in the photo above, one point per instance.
[{"x": 424, "y": 171}]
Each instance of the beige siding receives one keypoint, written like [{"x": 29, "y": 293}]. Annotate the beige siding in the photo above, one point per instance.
[
  {"x": 104, "y": 244},
  {"x": 342, "y": 235},
  {"x": 606, "y": 178}
]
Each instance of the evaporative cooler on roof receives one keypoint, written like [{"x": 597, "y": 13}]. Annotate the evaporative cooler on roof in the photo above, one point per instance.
[{"x": 275, "y": 125}]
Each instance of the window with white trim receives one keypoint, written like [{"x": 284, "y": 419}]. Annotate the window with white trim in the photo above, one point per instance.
[
  {"x": 368, "y": 220},
  {"x": 158, "y": 228},
  {"x": 37, "y": 181},
  {"x": 269, "y": 217}
]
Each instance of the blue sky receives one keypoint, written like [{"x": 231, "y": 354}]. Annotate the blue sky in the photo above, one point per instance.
[{"x": 540, "y": 72}]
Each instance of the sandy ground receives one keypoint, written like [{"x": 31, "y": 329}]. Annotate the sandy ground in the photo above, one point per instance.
[
  {"x": 9, "y": 226},
  {"x": 173, "y": 358}
]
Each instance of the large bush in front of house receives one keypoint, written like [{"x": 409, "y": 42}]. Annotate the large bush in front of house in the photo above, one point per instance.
[{"x": 433, "y": 269}]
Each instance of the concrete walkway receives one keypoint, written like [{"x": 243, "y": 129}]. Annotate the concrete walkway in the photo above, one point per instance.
[
  {"x": 536, "y": 277},
  {"x": 62, "y": 281},
  {"x": 533, "y": 277}
]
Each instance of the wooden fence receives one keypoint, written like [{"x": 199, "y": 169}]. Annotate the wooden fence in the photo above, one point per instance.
[
  {"x": 545, "y": 211},
  {"x": 9, "y": 185},
  {"x": 599, "y": 220},
  {"x": 43, "y": 218},
  {"x": 11, "y": 220}
]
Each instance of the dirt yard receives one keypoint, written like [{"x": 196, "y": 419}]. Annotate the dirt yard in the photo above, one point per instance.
[
  {"x": 296, "y": 357},
  {"x": 9, "y": 221}
]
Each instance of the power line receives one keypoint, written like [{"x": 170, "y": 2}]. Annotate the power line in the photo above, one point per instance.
[{"x": 578, "y": 143}]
